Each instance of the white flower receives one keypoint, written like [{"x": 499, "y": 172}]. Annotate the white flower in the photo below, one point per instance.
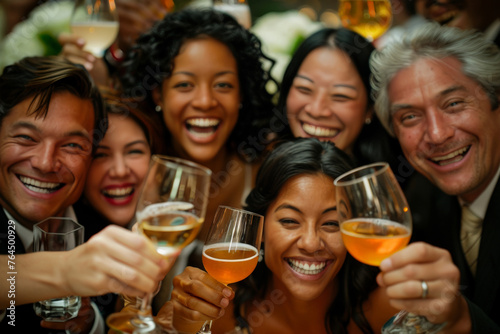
[
  {"x": 37, "y": 35},
  {"x": 281, "y": 33}
]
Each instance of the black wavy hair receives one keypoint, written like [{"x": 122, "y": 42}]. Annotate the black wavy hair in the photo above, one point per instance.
[
  {"x": 151, "y": 61},
  {"x": 373, "y": 143},
  {"x": 306, "y": 156}
]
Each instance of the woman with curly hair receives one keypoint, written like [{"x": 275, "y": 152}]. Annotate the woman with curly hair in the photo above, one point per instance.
[{"x": 204, "y": 74}]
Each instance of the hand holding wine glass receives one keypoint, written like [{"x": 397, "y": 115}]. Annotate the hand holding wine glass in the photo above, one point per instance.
[
  {"x": 96, "y": 21},
  {"x": 375, "y": 222},
  {"x": 170, "y": 212},
  {"x": 231, "y": 251}
]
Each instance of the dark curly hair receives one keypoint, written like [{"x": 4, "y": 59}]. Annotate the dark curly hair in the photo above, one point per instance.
[
  {"x": 306, "y": 156},
  {"x": 151, "y": 61}
]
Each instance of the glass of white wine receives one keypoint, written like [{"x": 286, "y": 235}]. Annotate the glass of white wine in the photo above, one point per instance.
[
  {"x": 231, "y": 251},
  {"x": 96, "y": 21},
  {"x": 376, "y": 222},
  {"x": 170, "y": 212},
  {"x": 369, "y": 18},
  {"x": 237, "y": 8}
]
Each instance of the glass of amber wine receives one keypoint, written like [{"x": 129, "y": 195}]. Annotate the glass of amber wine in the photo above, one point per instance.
[
  {"x": 170, "y": 212},
  {"x": 369, "y": 18},
  {"x": 231, "y": 251},
  {"x": 375, "y": 222}
]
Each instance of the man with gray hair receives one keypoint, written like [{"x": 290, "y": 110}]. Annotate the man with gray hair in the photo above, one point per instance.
[{"x": 438, "y": 93}]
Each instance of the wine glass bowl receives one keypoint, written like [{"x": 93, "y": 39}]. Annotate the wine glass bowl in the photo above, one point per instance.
[
  {"x": 369, "y": 18},
  {"x": 170, "y": 212},
  {"x": 375, "y": 220},
  {"x": 96, "y": 21},
  {"x": 232, "y": 247}
]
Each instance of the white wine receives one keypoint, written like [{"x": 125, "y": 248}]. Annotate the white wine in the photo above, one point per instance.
[
  {"x": 98, "y": 35},
  {"x": 170, "y": 229}
]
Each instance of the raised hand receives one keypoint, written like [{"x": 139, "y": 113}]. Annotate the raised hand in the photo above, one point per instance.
[
  {"x": 196, "y": 297},
  {"x": 407, "y": 273}
]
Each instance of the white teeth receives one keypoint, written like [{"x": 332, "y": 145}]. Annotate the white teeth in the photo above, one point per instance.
[
  {"x": 307, "y": 268},
  {"x": 118, "y": 192},
  {"x": 203, "y": 122},
  {"x": 456, "y": 156},
  {"x": 39, "y": 187},
  {"x": 319, "y": 131}
]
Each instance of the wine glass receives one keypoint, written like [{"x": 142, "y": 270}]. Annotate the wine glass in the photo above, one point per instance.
[
  {"x": 237, "y": 8},
  {"x": 170, "y": 212},
  {"x": 369, "y": 18},
  {"x": 231, "y": 251},
  {"x": 97, "y": 22},
  {"x": 375, "y": 222}
]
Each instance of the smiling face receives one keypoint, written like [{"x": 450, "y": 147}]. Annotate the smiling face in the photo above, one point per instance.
[
  {"x": 327, "y": 99},
  {"x": 44, "y": 161},
  {"x": 116, "y": 173},
  {"x": 302, "y": 240},
  {"x": 445, "y": 126},
  {"x": 201, "y": 99},
  {"x": 464, "y": 14}
]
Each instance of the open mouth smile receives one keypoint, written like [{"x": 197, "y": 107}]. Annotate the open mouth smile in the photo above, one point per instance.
[
  {"x": 40, "y": 187},
  {"x": 307, "y": 267},
  {"x": 317, "y": 131},
  {"x": 202, "y": 127},
  {"x": 451, "y": 157},
  {"x": 117, "y": 193}
]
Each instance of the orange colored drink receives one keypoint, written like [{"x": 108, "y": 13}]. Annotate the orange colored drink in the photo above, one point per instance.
[
  {"x": 230, "y": 263},
  {"x": 372, "y": 240}
]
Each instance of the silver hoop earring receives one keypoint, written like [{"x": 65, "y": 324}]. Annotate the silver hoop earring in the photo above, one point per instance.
[{"x": 158, "y": 108}]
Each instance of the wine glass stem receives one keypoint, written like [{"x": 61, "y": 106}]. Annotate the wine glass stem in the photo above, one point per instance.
[{"x": 206, "y": 328}]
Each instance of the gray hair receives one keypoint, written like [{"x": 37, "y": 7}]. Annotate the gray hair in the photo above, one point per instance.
[{"x": 480, "y": 59}]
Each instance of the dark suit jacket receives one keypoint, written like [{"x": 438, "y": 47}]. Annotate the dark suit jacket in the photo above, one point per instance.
[
  {"x": 26, "y": 321},
  {"x": 437, "y": 221}
]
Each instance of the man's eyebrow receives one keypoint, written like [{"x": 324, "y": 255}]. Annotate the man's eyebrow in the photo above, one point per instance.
[
  {"x": 31, "y": 126},
  {"x": 396, "y": 107}
]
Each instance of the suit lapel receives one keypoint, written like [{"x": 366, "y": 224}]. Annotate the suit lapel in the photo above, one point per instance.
[{"x": 487, "y": 282}]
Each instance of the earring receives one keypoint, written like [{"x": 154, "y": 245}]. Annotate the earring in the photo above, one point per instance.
[
  {"x": 158, "y": 108},
  {"x": 261, "y": 255},
  {"x": 368, "y": 121}
]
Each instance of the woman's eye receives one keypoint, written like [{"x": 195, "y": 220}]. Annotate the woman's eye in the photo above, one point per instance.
[{"x": 288, "y": 221}]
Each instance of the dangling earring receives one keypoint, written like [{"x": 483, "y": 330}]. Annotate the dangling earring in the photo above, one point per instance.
[
  {"x": 368, "y": 121},
  {"x": 261, "y": 254},
  {"x": 158, "y": 108}
]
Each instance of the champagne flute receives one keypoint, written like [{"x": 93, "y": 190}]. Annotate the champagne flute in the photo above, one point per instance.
[
  {"x": 369, "y": 18},
  {"x": 237, "y": 8},
  {"x": 231, "y": 251},
  {"x": 97, "y": 22},
  {"x": 375, "y": 222},
  {"x": 170, "y": 212}
]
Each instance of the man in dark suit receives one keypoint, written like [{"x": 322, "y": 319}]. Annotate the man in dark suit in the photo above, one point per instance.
[
  {"x": 51, "y": 119},
  {"x": 438, "y": 92}
]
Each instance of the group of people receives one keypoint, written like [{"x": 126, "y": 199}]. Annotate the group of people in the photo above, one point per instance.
[{"x": 195, "y": 86}]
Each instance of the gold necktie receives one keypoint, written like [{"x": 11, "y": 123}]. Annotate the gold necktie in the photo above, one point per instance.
[{"x": 470, "y": 236}]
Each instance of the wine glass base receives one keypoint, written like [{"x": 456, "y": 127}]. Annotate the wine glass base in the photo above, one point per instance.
[
  {"x": 130, "y": 323},
  {"x": 410, "y": 324}
]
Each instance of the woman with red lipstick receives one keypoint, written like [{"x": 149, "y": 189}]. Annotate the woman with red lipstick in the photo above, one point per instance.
[
  {"x": 307, "y": 282},
  {"x": 119, "y": 165}
]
